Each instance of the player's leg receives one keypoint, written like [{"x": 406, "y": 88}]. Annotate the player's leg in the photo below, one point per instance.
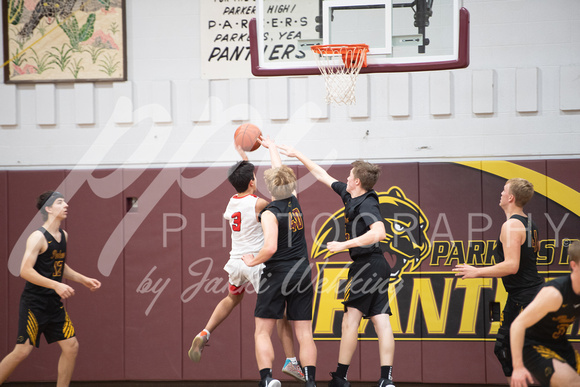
[
  {"x": 66, "y": 363},
  {"x": 224, "y": 308},
  {"x": 263, "y": 340},
  {"x": 265, "y": 351},
  {"x": 308, "y": 351},
  {"x": 291, "y": 364},
  {"x": 13, "y": 359},
  {"x": 284, "y": 329},
  {"x": 219, "y": 314},
  {"x": 348, "y": 344},
  {"x": 382, "y": 324},
  {"x": 349, "y": 335},
  {"x": 564, "y": 375}
]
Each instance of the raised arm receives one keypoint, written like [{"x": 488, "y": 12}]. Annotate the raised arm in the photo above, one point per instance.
[
  {"x": 318, "y": 172},
  {"x": 269, "y": 144},
  {"x": 242, "y": 153}
]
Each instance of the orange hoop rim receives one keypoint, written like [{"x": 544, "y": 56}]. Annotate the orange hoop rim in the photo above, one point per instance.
[{"x": 339, "y": 48}]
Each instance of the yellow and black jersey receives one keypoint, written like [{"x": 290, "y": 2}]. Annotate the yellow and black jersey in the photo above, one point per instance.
[
  {"x": 49, "y": 264},
  {"x": 527, "y": 275},
  {"x": 553, "y": 327}
]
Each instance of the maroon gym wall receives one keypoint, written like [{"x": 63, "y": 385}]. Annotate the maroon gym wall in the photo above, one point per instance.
[{"x": 127, "y": 331}]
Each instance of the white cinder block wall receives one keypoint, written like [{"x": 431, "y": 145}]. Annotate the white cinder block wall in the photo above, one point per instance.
[{"x": 519, "y": 98}]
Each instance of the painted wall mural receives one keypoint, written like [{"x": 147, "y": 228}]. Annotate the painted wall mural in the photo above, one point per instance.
[{"x": 64, "y": 40}]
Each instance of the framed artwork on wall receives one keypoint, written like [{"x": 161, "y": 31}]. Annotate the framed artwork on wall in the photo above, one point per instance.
[{"x": 47, "y": 41}]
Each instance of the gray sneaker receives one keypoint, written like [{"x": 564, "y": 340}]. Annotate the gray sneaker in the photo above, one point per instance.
[
  {"x": 196, "y": 347},
  {"x": 293, "y": 370}
]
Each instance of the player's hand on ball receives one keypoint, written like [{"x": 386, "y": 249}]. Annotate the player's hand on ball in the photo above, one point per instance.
[{"x": 266, "y": 141}]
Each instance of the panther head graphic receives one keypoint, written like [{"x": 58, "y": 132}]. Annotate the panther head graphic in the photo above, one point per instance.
[{"x": 406, "y": 226}]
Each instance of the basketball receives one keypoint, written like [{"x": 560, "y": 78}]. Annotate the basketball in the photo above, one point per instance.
[{"x": 246, "y": 136}]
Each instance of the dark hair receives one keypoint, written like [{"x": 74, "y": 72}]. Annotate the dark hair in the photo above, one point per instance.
[
  {"x": 47, "y": 199},
  {"x": 240, "y": 175}
]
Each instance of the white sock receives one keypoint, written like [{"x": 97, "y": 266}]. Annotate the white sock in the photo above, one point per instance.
[
  {"x": 293, "y": 360},
  {"x": 207, "y": 333}
]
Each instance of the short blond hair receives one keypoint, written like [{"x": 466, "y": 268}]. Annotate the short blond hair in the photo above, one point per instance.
[
  {"x": 281, "y": 182},
  {"x": 522, "y": 190},
  {"x": 367, "y": 173},
  {"x": 574, "y": 252}
]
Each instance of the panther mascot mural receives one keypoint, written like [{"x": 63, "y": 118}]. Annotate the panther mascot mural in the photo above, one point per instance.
[{"x": 406, "y": 244}]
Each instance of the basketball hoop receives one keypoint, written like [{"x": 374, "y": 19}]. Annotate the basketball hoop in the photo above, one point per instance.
[{"x": 340, "y": 65}]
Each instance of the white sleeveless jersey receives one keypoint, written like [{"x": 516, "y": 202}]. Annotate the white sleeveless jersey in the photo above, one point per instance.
[{"x": 247, "y": 235}]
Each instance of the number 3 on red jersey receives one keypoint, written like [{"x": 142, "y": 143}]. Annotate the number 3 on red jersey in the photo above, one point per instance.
[{"x": 237, "y": 221}]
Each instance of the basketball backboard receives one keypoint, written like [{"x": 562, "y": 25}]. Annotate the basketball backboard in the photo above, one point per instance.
[{"x": 415, "y": 35}]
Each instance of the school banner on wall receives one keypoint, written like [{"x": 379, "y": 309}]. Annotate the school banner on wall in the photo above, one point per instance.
[{"x": 225, "y": 38}]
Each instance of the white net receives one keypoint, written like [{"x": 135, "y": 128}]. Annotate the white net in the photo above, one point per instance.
[{"x": 340, "y": 66}]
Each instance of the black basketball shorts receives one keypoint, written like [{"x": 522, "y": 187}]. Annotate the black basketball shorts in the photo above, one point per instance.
[
  {"x": 539, "y": 358},
  {"x": 43, "y": 315},
  {"x": 367, "y": 286},
  {"x": 286, "y": 287}
]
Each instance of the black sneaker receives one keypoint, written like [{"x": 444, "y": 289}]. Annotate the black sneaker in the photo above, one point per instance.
[
  {"x": 310, "y": 383},
  {"x": 269, "y": 382},
  {"x": 338, "y": 381},
  {"x": 385, "y": 383}
]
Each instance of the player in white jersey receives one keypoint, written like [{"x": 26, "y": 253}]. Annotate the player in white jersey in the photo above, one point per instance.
[{"x": 247, "y": 237}]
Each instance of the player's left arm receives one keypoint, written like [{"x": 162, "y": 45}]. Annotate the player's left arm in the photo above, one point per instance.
[
  {"x": 375, "y": 234},
  {"x": 549, "y": 299},
  {"x": 70, "y": 274},
  {"x": 270, "y": 228}
]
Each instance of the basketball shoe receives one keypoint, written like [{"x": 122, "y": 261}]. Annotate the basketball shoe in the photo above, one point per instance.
[
  {"x": 385, "y": 383},
  {"x": 293, "y": 369},
  {"x": 338, "y": 381},
  {"x": 269, "y": 382},
  {"x": 197, "y": 346}
]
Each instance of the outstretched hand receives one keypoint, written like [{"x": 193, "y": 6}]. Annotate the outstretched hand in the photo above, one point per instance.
[
  {"x": 266, "y": 141},
  {"x": 287, "y": 150},
  {"x": 465, "y": 271}
]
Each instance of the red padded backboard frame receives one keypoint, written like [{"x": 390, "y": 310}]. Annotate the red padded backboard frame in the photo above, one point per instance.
[{"x": 461, "y": 62}]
